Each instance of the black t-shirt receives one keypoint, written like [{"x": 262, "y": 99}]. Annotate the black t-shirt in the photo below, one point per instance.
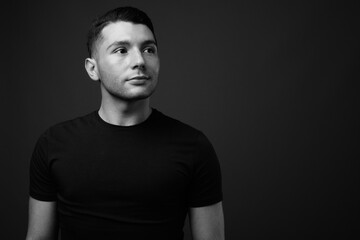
[{"x": 135, "y": 182}]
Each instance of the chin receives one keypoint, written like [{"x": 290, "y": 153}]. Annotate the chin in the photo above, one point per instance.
[
  {"x": 130, "y": 94},
  {"x": 136, "y": 96}
]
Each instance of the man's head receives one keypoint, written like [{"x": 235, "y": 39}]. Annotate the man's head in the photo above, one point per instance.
[
  {"x": 123, "y": 55},
  {"x": 125, "y": 14}
]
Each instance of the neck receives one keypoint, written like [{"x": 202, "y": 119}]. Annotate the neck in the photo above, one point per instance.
[{"x": 125, "y": 113}]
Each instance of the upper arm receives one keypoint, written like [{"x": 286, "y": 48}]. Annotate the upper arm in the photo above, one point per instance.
[
  {"x": 42, "y": 220},
  {"x": 207, "y": 223}
]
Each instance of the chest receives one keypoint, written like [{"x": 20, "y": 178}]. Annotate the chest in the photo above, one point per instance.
[{"x": 137, "y": 170}]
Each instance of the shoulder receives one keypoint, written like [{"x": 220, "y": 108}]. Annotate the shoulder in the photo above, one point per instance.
[
  {"x": 78, "y": 124},
  {"x": 175, "y": 126},
  {"x": 176, "y": 131}
]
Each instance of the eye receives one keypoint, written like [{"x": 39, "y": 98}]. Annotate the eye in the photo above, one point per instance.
[
  {"x": 150, "y": 50},
  {"x": 120, "y": 50}
]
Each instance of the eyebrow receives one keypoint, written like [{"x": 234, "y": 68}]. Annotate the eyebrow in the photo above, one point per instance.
[
  {"x": 149, "y": 42},
  {"x": 127, "y": 43}
]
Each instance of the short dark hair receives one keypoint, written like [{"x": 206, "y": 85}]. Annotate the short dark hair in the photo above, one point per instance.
[{"x": 126, "y": 14}]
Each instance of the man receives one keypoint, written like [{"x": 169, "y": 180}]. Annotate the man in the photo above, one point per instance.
[{"x": 126, "y": 171}]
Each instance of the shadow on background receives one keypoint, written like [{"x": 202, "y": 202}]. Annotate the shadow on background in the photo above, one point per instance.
[{"x": 272, "y": 86}]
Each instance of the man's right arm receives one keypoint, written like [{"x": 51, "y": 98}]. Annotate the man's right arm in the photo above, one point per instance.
[{"x": 42, "y": 220}]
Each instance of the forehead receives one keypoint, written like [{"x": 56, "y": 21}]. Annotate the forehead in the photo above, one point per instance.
[{"x": 125, "y": 31}]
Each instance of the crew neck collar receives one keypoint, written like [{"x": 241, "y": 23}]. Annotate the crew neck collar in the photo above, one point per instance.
[{"x": 113, "y": 126}]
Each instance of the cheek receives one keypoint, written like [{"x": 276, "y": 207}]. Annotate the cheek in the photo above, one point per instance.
[
  {"x": 154, "y": 64},
  {"x": 112, "y": 68}
]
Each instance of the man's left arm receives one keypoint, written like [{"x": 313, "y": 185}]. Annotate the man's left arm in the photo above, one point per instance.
[{"x": 207, "y": 223}]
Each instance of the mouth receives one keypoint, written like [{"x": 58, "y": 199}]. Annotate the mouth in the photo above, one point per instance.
[
  {"x": 139, "y": 80},
  {"x": 140, "y": 77}
]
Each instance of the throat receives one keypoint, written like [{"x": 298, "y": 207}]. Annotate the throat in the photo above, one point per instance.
[{"x": 124, "y": 116}]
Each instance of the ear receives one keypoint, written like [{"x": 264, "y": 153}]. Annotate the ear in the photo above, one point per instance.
[{"x": 91, "y": 68}]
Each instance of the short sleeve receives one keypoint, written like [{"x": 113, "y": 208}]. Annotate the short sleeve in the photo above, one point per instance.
[
  {"x": 42, "y": 186},
  {"x": 206, "y": 184}
]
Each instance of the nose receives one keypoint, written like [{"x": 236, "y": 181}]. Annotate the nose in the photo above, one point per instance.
[{"x": 138, "y": 60}]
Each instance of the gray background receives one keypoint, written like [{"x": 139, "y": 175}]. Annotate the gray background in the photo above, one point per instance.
[{"x": 271, "y": 83}]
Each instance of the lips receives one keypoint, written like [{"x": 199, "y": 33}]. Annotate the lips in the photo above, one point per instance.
[
  {"x": 140, "y": 77},
  {"x": 139, "y": 80}
]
